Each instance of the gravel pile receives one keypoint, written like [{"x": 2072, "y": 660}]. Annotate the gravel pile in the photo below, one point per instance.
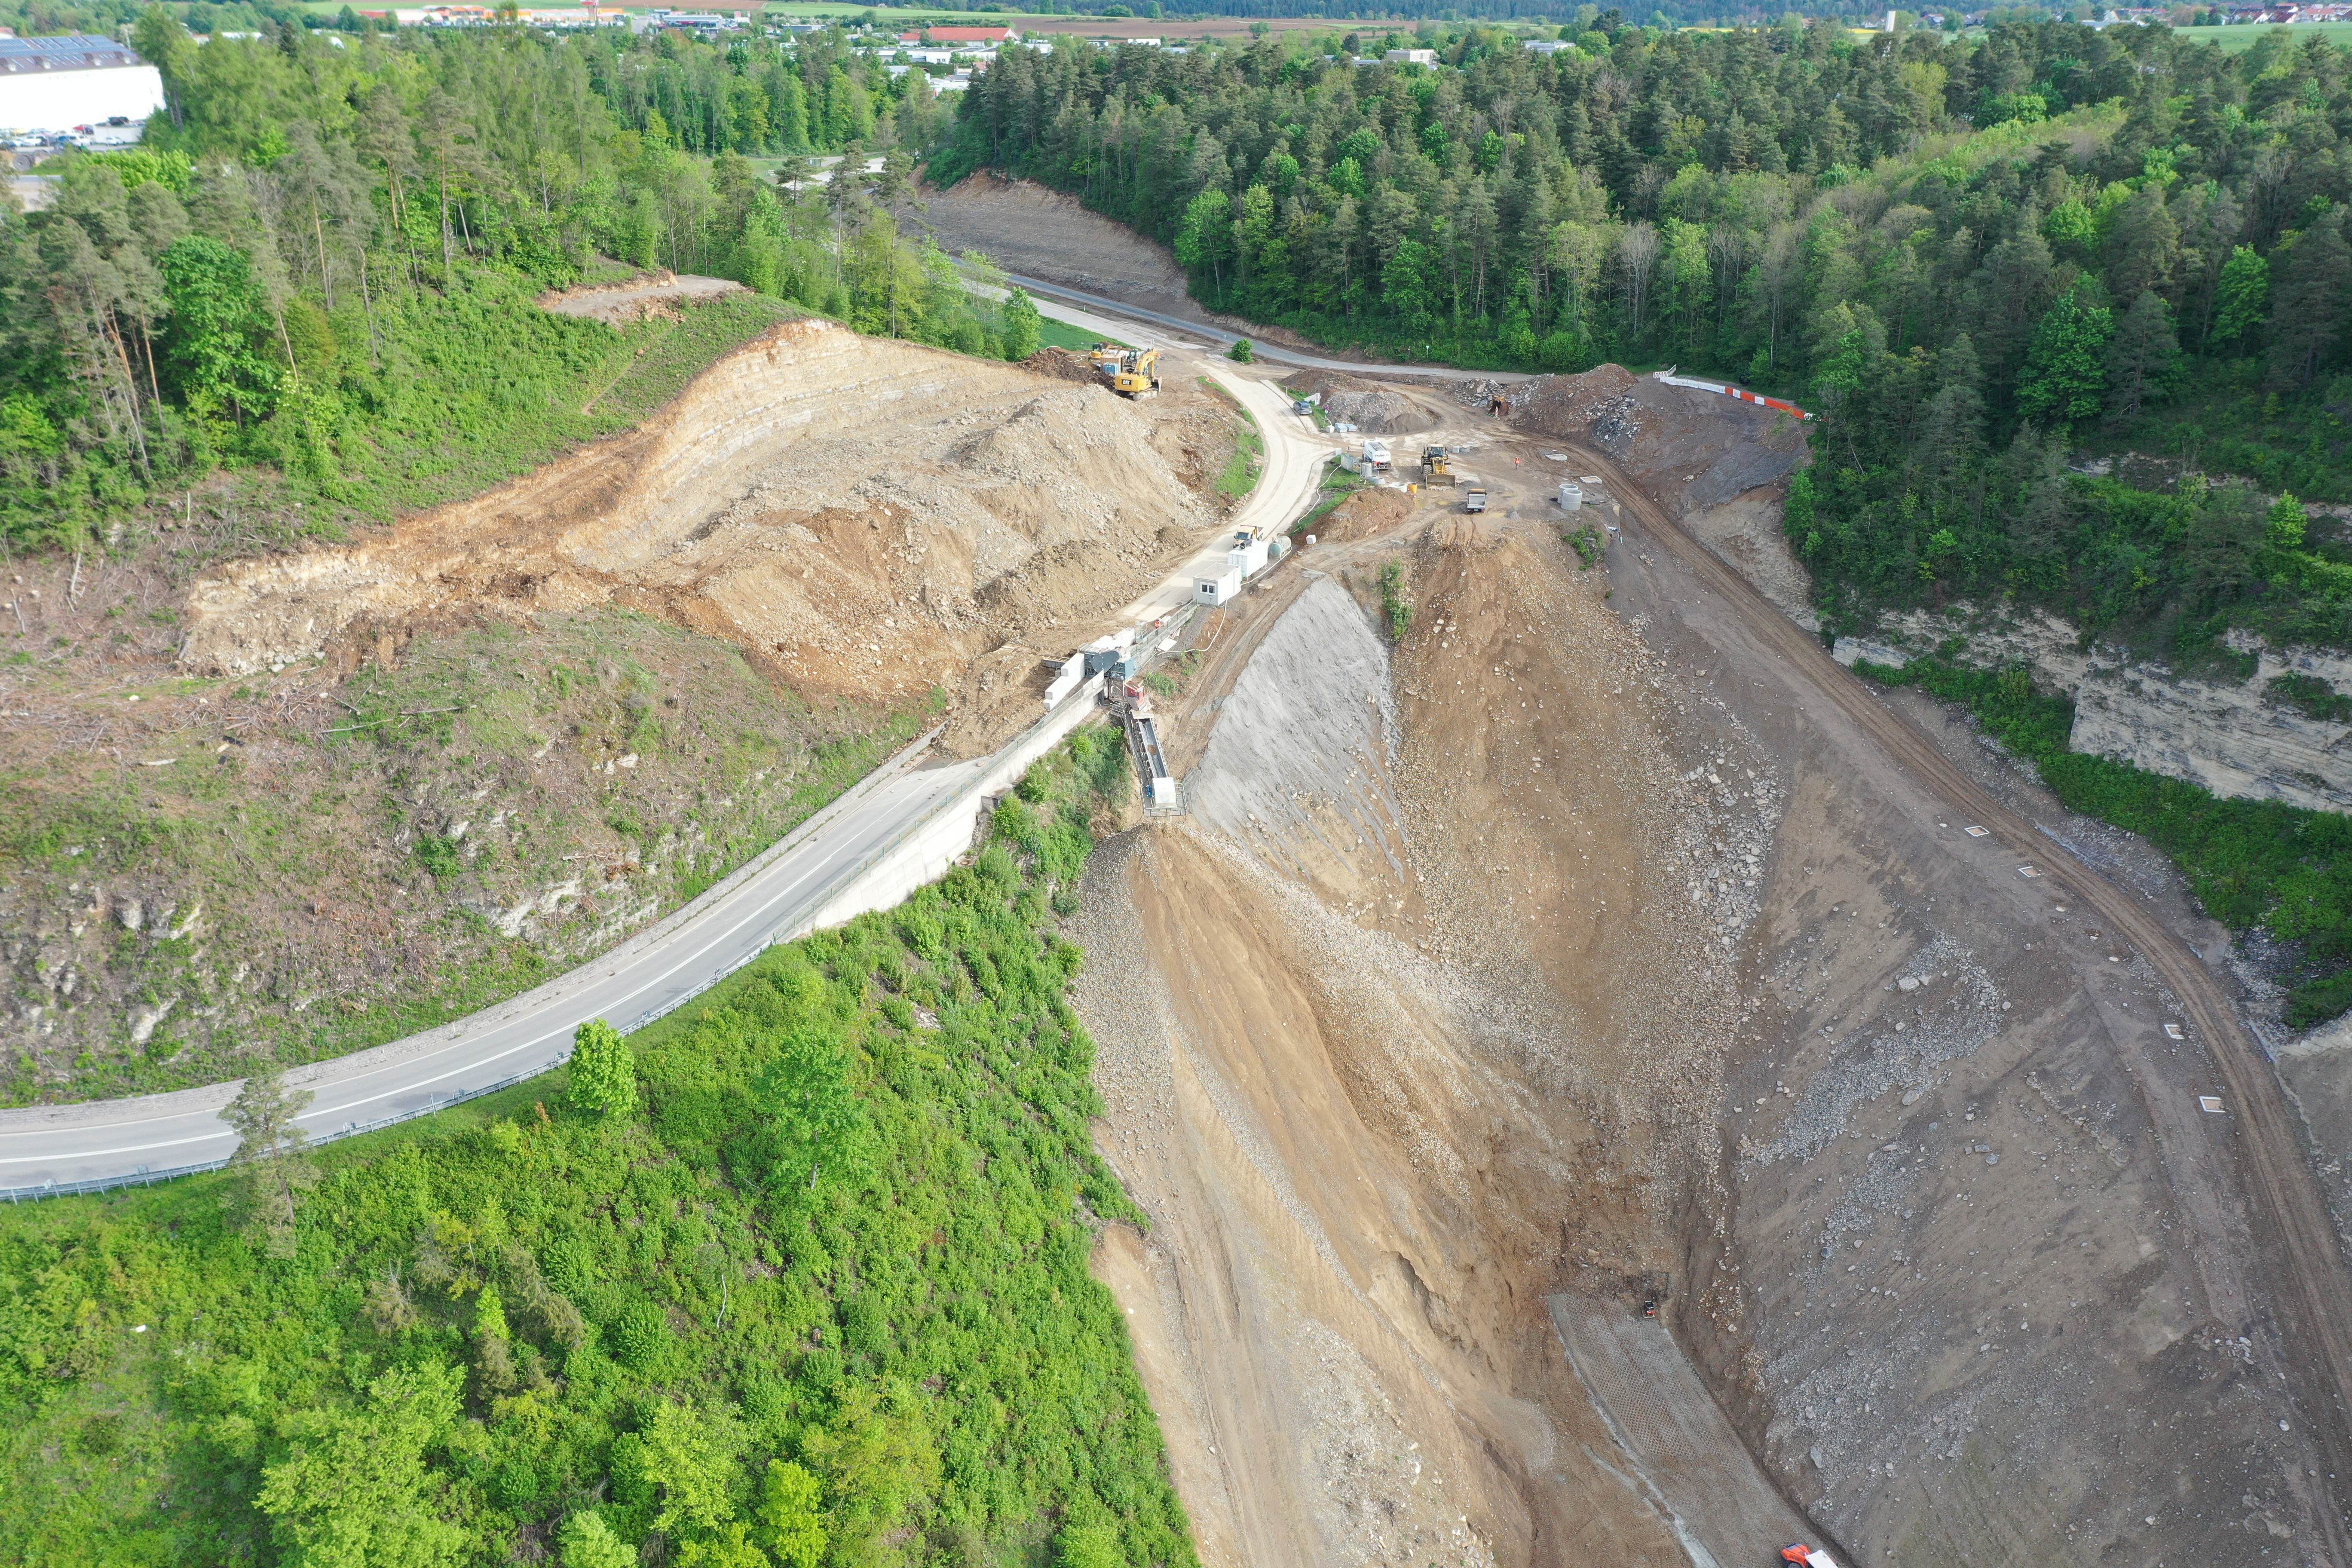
[{"x": 1374, "y": 411}]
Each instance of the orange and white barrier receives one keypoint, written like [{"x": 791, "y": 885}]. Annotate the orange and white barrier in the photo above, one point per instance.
[{"x": 1726, "y": 390}]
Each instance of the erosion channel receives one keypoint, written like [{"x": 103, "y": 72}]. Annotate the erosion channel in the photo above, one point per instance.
[{"x": 1574, "y": 948}]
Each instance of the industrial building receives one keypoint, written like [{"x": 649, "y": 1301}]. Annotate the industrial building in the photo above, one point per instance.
[{"x": 74, "y": 82}]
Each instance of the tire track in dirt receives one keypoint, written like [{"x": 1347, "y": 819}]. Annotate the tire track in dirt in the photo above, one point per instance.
[{"x": 2294, "y": 1232}]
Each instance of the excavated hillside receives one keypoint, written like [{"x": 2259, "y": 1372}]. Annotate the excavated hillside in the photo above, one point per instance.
[
  {"x": 867, "y": 517},
  {"x": 305, "y": 802},
  {"x": 1572, "y": 951}
]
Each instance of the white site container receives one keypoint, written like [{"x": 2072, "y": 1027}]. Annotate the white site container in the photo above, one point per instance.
[{"x": 1220, "y": 590}]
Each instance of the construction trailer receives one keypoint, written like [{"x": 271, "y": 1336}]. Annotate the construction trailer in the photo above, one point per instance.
[
  {"x": 1222, "y": 589},
  {"x": 1247, "y": 556}
]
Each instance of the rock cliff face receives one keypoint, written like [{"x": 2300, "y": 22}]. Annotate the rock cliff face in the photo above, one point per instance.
[{"x": 2237, "y": 739}]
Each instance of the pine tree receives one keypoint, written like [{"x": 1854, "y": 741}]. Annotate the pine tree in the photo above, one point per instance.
[
  {"x": 1952, "y": 424},
  {"x": 271, "y": 1150},
  {"x": 2143, "y": 245},
  {"x": 2308, "y": 314},
  {"x": 2143, "y": 360}
]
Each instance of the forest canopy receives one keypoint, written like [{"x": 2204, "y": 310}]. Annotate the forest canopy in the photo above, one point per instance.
[
  {"x": 795, "y": 1278},
  {"x": 322, "y": 258},
  {"x": 1975, "y": 257}
]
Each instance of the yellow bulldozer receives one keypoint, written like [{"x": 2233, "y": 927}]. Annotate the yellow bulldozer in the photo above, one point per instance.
[{"x": 1130, "y": 372}]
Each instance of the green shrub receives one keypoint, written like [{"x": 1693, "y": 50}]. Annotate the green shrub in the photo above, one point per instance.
[
  {"x": 1393, "y": 605},
  {"x": 603, "y": 1070},
  {"x": 437, "y": 854}
]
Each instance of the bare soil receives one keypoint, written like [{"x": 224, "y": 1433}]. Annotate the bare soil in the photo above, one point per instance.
[
  {"x": 1591, "y": 940},
  {"x": 644, "y": 298},
  {"x": 1026, "y": 229}
]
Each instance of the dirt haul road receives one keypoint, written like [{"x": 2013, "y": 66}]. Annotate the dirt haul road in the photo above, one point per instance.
[{"x": 2291, "y": 1226}]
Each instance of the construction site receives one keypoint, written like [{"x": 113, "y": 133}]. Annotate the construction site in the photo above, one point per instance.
[{"x": 1605, "y": 1086}]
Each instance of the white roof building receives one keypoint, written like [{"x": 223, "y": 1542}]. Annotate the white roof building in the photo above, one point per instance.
[{"x": 62, "y": 83}]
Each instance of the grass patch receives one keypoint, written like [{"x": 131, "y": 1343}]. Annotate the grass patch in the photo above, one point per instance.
[
  {"x": 1336, "y": 487},
  {"x": 1242, "y": 469},
  {"x": 1588, "y": 544},
  {"x": 479, "y": 386},
  {"x": 1053, "y": 334},
  {"x": 2251, "y": 864},
  {"x": 712, "y": 1321},
  {"x": 1394, "y": 608},
  {"x": 2237, "y": 41}
]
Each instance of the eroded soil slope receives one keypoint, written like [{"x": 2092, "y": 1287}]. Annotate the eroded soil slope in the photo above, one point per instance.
[
  {"x": 1391, "y": 1051},
  {"x": 1578, "y": 945}
]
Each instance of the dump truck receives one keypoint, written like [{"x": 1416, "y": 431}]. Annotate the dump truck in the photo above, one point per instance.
[
  {"x": 1130, "y": 372},
  {"x": 1474, "y": 497},
  {"x": 1436, "y": 467}
]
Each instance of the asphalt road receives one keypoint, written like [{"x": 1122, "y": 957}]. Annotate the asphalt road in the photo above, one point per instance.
[
  {"x": 648, "y": 974},
  {"x": 777, "y": 894},
  {"x": 1200, "y": 331}
]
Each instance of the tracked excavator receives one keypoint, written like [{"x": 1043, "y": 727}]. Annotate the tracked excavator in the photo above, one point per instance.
[{"x": 1130, "y": 372}]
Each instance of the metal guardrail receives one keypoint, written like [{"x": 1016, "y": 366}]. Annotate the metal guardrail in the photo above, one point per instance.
[{"x": 143, "y": 1178}]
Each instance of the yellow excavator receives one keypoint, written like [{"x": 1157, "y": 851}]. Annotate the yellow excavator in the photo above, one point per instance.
[{"x": 1130, "y": 372}]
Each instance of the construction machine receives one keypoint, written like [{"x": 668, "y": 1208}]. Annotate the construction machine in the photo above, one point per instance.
[
  {"x": 1475, "y": 497},
  {"x": 1130, "y": 372},
  {"x": 1436, "y": 467},
  {"x": 1807, "y": 1556}
]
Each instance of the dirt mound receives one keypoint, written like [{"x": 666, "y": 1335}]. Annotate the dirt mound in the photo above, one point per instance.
[
  {"x": 646, "y": 297},
  {"x": 1689, "y": 449},
  {"x": 1327, "y": 382},
  {"x": 1364, "y": 515},
  {"x": 1382, "y": 412},
  {"x": 1061, "y": 364},
  {"x": 866, "y": 518}
]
